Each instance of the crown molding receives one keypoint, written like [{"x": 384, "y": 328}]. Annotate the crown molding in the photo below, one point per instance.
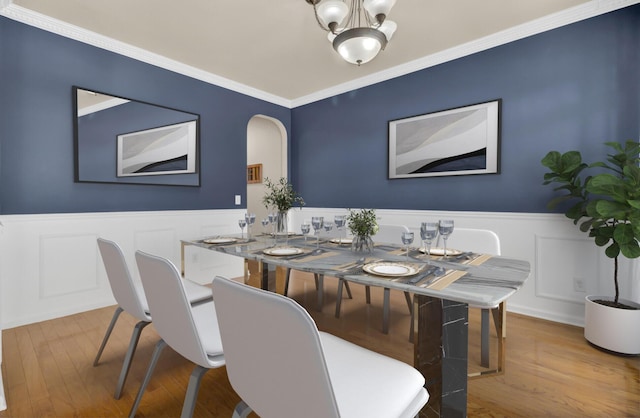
[
  {"x": 553, "y": 21},
  {"x": 77, "y": 33}
]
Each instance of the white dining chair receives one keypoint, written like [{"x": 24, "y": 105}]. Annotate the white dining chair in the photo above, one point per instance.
[
  {"x": 191, "y": 331},
  {"x": 130, "y": 298},
  {"x": 390, "y": 234},
  {"x": 274, "y": 348},
  {"x": 486, "y": 242}
]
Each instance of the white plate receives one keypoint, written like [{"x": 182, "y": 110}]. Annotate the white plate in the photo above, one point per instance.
[
  {"x": 390, "y": 269},
  {"x": 219, "y": 240},
  {"x": 341, "y": 240},
  {"x": 283, "y": 251},
  {"x": 440, "y": 251}
]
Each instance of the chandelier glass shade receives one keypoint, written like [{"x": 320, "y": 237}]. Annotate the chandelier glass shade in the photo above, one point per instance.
[{"x": 358, "y": 29}]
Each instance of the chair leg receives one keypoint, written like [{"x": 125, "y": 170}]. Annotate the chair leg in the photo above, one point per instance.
[
  {"x": 147, "y": 377},
  {"x": 346, "y": 286},
  {"x": 341, "y": 282},
  {"x": 242, "y": 410},
  {"x": 386, "y": 308},
  {"x": 320, "y": 291},
  {"x": 133, "y": 343},
  {"x": 191, "y": 396},
  {"x": 286, "y": 282},
  {"x": 114, "y": 319},
  {"x": 407, "y": 297}
]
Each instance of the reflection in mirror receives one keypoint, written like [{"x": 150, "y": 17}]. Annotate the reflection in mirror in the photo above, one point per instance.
[{"x": 121, "y": 140}]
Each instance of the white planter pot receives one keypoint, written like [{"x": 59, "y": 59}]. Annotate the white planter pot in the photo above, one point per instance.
[{"x": 610, "y": 328}]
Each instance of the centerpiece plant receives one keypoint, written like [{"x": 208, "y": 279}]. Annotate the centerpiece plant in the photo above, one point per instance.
[
  {"x": 605, "y": 200},
  {"x": 281, "y": 197},
  {"x": 362, "y": 224}
]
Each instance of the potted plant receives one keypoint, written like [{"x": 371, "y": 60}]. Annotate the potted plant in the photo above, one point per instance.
[
  {"x": 363, "y": 225},
  {"x": 281, "y": 197},
  {"x": 606, "y": 204}
]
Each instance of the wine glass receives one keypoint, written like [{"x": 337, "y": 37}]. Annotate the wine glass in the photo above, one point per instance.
[
  {"x": 340, "y": 221},
  {"x": 250, "y": 218},
  {"x": 445, "y": 228},
  {"x": 265, "y": 223},
  {"x": 428, "y": 232},
  {"x": 407, "y": 239},
  {"x": 317, "y": 223},
  {"x": 272, "y": 220},
  {"x": 328, "y": 226},
  {"x": 242, "y": 223},
  {"x": 305, "y": 227}
]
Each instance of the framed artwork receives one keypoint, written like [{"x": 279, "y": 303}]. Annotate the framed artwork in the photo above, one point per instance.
[
  {"x": 168, "y": 149},
  {"x": 460, "y": 141}
]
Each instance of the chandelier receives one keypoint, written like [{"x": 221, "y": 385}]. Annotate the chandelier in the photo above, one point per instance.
[{"x": 358, "y": 29}]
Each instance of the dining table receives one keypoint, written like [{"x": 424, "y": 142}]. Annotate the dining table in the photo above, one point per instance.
[{"x": 443, "y": 288}]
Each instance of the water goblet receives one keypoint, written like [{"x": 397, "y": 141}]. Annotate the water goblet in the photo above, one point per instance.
[
  {"x": 407, "y": 239},
  {"x": 272, "y": 220},
  {"x": 428, "y": 232},
  {"x": 250, "y": 218},
  {"x": 305, "y": 227},
  {"x": 340, "y": 221},
  {"x": 445, "y": 228},
  {"x": 265, "y": 223},
  {"x": 317, "y": 223},
  {"x": 242, "y": 223},
  {"x": 328, "y": 226}
]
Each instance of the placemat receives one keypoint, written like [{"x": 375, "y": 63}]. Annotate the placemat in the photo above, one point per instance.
[
  {"x": 314, "y": 257},
  {"x": 446, "y": 280}
]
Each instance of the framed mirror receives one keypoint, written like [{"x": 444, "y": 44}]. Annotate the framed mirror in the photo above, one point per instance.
[{"x": 121, "y": 140}]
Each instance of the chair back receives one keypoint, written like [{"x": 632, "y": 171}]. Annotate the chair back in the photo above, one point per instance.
[
  {"x": 169, "y": 306},
  {"x": 272, "y": 349},
  {"x": 129, "y": 295},
  {"x": 391, "y": 234},
  {"x": 477, "y": 240}
]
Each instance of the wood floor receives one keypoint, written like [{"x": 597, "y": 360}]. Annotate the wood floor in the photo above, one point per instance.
[{"x": 550, "y": 370}]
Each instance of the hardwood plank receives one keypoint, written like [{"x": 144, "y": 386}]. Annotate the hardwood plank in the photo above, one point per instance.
[{"x": 550, "y": 369}]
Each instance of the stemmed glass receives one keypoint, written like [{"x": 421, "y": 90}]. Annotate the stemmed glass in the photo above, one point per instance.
[
  {"x": 445, "y": 228},
  {"x": 407, "y": 239},
  {"x": 428, "y": 232},
  {"x": 305, "y": 227},
  {"x": 272, "y": 220},
  {"x": 242, "y": 223},
  {"x": 340, "y": 221},
  {"x": 317, "y": 223},
  {"x": 328, "y": 226},
  {"x": 265, "y": 223},
  {"x": 250, "y": 218}
]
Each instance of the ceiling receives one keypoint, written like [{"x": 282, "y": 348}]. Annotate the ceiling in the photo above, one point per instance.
[{"x": 276, "y": 46}]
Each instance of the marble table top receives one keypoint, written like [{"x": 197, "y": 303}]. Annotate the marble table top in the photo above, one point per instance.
[{"x": 483, "y": 281}]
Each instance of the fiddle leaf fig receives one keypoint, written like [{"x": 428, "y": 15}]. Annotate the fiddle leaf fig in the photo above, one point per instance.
[{"x": 607, "y": 203}]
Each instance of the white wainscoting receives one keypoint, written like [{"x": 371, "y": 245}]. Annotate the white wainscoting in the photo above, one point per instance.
[{"x": 50, "y": 265}]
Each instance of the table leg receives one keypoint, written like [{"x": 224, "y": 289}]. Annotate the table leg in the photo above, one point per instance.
[
  {"x": 264, "y": 279},
  {"x": 320, "y": 291},
  {"x": 440, "y": 354}
]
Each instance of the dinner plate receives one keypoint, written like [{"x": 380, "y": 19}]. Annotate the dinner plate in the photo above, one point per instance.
[
  {"x": 341, "y": 240},
  {"x": 440, "y": 251},
  {"x": 280, "y": 251},
  {"x": 219, "y": 240},
  {"x": 390, "y": 269}
]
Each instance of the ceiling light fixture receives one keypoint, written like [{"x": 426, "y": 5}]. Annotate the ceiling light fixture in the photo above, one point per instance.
[{"x": 358, "y": 29}]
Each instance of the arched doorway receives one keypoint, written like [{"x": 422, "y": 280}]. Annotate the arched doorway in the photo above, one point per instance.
[{"x": 266, "y": 145}]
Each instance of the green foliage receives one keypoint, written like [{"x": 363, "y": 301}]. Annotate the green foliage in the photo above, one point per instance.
[
  {"x": 280, "y": 195},
  {"x": 363, "y": 222},
  {"x": 607, "y": 204}
]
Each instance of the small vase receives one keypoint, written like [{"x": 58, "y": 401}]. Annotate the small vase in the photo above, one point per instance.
[
  {"x": 362, "y": 243},
  {"x": 282, "y": 225}
]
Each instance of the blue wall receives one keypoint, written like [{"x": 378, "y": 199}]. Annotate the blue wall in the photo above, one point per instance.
[
  {"x": 570, "y": 88},
  {"x": 37, "y": 72}
]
